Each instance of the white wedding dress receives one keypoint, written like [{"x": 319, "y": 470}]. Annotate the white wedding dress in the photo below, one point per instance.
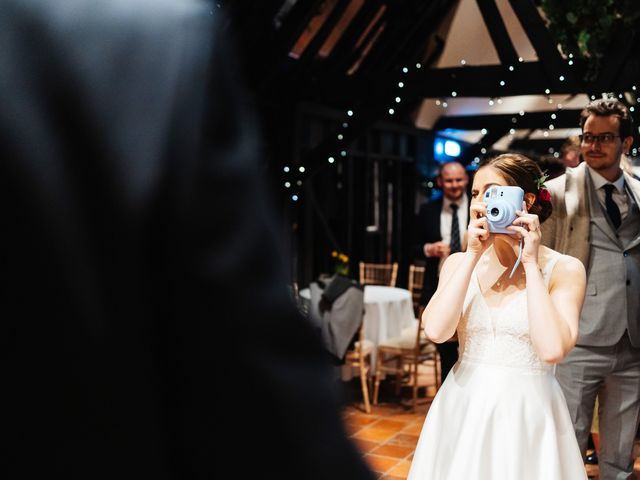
[{"x": 500, "y": 413}]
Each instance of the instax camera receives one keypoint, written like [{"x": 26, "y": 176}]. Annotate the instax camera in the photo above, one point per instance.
[{"x": 502, "y": 203}]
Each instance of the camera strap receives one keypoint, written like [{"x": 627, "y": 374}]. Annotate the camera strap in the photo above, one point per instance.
[{"x": 513, "y": 270}]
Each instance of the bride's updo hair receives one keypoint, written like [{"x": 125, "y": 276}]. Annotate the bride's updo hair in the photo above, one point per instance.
[{"x": 521, "y": 171}]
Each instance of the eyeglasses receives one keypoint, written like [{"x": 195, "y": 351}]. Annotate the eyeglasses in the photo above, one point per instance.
[{"x": 604, "y": 138}]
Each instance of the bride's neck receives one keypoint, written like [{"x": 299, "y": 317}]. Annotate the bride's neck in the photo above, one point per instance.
[{"x": 506, "y": 248}]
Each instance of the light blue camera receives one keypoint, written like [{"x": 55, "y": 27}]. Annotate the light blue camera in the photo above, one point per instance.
[{"x": 502, "y": 203}]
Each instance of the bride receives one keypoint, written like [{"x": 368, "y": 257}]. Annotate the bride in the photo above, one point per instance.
[{"x": 500, "y": 413}]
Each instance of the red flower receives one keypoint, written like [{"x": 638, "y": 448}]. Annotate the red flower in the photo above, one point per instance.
[{"x": 544, "y": 195}]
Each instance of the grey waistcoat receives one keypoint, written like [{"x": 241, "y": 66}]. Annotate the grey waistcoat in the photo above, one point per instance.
[{"x": 612, "y": 303}]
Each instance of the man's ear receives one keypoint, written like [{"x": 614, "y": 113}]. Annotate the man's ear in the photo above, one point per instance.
[
  {"x": 439, "y": 181},
  {"x": 626, "y": 145}
]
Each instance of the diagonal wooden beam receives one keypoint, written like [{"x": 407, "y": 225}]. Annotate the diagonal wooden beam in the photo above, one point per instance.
[
  {"x": 274, "y": 45},
  {"x": 498, "y": 31},
  {"x": 321, "y": 36},
  {"x": 371, "y": 98},
  {"x": 344, "y": 52},
  {"x": 554, "y": 66},
  {"x": 405, "y": 28}
]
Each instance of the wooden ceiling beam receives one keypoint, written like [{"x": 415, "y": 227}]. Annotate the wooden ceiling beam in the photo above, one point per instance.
[
  {"x": 564, "y": 119},
  {"x": 553, "y": 65},
  {"x": 321, "y": 36},
  {"x": 527, "y": 78},
  {"x": 498, "y": 32},
  {"x": 408, "y": 24},
  {"x": 540, "y": 145},
  {"x": 344, "y": 52},
  {"x": 272, "y": 46}
]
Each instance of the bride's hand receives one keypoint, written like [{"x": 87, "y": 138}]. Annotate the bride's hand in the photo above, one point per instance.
[
  {"x": 527, "y": 225},
  {"x": 478, "y": 231}
]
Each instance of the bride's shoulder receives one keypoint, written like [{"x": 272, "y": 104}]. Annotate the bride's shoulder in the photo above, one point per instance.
[
  {"x": 553, "y": 256},
  {"x": 563, "y": 267}
]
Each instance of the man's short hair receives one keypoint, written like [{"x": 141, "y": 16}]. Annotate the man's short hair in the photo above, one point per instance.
[
  {"x": 605, "y": 107},
  {"x": 450, "y": 162}
]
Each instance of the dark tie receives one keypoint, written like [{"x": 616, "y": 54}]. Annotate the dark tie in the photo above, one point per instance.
[
  {"x": 612, "y": 209},
  {"x": 455, "y": 230}
]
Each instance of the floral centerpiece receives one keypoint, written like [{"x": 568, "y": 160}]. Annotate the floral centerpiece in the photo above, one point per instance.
[{"x": 341, "y": 263}]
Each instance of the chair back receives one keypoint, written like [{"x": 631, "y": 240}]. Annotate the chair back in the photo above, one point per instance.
[
  {"x": 378, "y": 274},
  {"x": 411, "y": 357},
  {"x": 416, "y": 283}
]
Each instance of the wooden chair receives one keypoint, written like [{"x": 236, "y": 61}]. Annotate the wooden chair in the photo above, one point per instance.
[
  {"x": 360, "y": 357},
  {"x": 403, "y": 356},
  {"x": 378, "y": 274},
  {"x": 416, "y": 283}
]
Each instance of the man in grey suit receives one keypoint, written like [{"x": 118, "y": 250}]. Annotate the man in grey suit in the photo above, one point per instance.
[{"x": 596, "y": 219}]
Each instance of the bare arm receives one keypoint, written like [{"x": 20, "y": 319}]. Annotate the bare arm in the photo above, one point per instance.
[
  {"x": 441, "y": 317},
  {"x": 554, "y": 314}
]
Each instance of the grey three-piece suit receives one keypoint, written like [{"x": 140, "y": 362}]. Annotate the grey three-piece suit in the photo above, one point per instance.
[{"x": 606, "y": 359}]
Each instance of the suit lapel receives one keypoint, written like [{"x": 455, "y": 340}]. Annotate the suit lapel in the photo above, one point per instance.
[
  {"x": 633, "y": 189},
  {"x": 575, "y": 193},
  {"x": 575, "y": 233}
]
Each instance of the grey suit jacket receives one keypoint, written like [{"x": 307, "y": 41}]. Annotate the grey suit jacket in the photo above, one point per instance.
[{"x": 568, "y": 231}]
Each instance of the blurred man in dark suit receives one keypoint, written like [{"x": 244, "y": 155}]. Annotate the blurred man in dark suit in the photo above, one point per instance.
[
  {"x": 440, "y": 231},
  {"x": 147, "y": 327}
]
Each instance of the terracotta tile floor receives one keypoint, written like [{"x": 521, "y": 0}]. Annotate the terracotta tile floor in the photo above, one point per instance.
[{"x": 388, "y": 435}]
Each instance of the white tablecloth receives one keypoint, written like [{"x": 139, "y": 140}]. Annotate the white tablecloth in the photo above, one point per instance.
[{"x": 387, "y": 311}]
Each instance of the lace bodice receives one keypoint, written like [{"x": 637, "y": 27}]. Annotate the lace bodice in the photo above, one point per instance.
[{"x": 499, "y": 336}]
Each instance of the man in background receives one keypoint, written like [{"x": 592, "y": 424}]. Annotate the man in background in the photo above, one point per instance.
[
  {"x": 441, "y": 225},
  {"x": 147, "y": 327},
  {"x": 596, "y": 219},
  {"x": 570, "y": 152}
]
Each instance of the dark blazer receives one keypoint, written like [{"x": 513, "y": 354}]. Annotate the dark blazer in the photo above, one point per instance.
[
  {"x": 428, "y": 231},
  {"x": 147, "y": 330}
]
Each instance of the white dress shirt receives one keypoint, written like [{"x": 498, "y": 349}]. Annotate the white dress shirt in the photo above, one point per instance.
[
  {"x": 619, "y": 195},
  {"x": 447, "y": 213}
]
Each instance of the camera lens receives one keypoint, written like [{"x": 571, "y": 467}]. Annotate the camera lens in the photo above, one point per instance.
[{"x": 494, "y": 211}]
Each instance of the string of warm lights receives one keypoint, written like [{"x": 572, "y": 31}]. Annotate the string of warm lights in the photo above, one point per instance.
[
  {"x": 396, "y": 99},
  {"x": 341, "y": 151}
]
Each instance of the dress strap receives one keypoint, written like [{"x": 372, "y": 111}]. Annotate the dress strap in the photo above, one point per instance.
[{"x": 548, "y": 268}]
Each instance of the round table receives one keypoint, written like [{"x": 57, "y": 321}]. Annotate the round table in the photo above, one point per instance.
[{"x": 387, "y": 311}]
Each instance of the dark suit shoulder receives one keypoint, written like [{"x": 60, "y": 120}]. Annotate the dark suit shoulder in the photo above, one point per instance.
[{"x": 430, "y": 208}]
